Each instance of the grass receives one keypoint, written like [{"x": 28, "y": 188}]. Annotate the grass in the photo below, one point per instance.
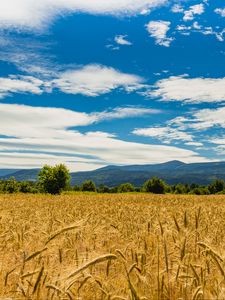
[{"x": 112, "y": 247}]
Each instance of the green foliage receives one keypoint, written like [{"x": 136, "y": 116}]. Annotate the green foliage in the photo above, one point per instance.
[
  {"x": 28, "y": 187},
  {"x": 54, "y": 180},
  {"x": 76, "y": 188},
  {"x": 88, "y": 186},
  {"x": 10, "y": 186},
  {"x": 155, "y": 186},
  {"x": 180, "y": 189},
  {"x": 200, "y": 191},
  {"x": 221, "y": 193},
  {"x": 114, "y": 190},
  {"x": 103, "y": 189},
  {"x": 194, "y": 185},
  {"x": 217, "y": 186},
  {"x": 125, "y": 188}
]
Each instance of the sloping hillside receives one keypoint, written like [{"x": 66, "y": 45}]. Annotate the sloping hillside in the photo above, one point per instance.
[{"x": 172, "y": 172}]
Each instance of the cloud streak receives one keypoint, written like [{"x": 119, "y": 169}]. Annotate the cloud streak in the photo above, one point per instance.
[
  {"x": 49, "y": 130},
  {"x": 20, "y": 84},
  {"x": 91, "y": 80},
  {"x": 189, "y": 90},
  {"x": 34, "y": 15},
  {"x": 164, "y": 134}
]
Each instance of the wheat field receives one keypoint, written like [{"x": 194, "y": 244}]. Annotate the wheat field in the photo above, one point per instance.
[{"x": 112, "y": 247}]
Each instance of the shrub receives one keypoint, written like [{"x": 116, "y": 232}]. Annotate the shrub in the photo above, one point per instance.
[
  {"x": 155, "y": 186},
  {"x": 216, "y": 186},
  {"x": 103, "y": 189},
  {"x": 126, "y": 187},
  {"x": 180, "y": 189},
  {"x": 10, "y": 186},
  {"x": 28, "y": 187},
  {"x": 88, "y": 186},
  {"x": 114, "y": 190},
  {"x": 200, "y": 191},
  {"x": 76, "y": 188}
]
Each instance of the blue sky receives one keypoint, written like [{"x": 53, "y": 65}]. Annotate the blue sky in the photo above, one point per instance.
[{"x": 91, "y": 83}]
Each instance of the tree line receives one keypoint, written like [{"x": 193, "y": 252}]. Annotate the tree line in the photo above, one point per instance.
[{"x": 54, "y": 180}]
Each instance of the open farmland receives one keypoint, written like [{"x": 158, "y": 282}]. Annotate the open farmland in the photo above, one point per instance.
[{"x": 105, "y": 247}]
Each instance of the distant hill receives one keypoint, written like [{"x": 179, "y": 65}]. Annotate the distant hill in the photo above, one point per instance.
[
  {"x": 172, "y": 172},
  {"x": 5, "y": 172},
  {"x": 21, "y": 175}
]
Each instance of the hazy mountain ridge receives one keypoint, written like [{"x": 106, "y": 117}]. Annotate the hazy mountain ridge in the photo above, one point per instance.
[
  {"x": 22, "y": 175},
  {"x": 172, "y": 172},
  {"x": 5, "y": 172}
]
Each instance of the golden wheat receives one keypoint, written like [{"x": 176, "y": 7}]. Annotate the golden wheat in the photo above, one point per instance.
[{"x": 105, "y": 247}]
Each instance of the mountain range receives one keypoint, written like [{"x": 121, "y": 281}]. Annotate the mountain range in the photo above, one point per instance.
[{"x": 172, "y": 172}]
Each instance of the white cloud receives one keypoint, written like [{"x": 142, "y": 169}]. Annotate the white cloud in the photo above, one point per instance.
[
  {"x": 158, "y": 30},
  {"x": 39, "y": 122},
  {"x": 221, "y": 148},
  {"x": 29, "y": 55},
  {"x": 193, "y": 10},
  {"x": 210, "y": 31},
  {"x": 90, "y": 80},
  {"x": 20, "y": 84},
  {"x": 192, "y": 129},
  {"x": 124, "y": 112},
  {"x": 112, "y": 47},
  {"x": 201, "y": 120},
  {"x": 184, "y": 30},
  {"x": 122, "y": 40},
  {"x": 219, "y": 141},
  {"x": 220, "y": 11},
  {"x": 165, "y": 134},
  {"x": 190, "y": 90},
  {"x": 102, "y": 150},
  {"x": 48, "y": 130},
  {"x": 43, "y": 122},
  {"x": 219, "y": 144},
  {"x": 27, "y": 14},
  {"x": 208, "y": 118},
  {"x": 195, "y": 144},
  {"x": 94, "y": 80},
  {"x": 206, "y": 30},
  {"x": 177, "y": 8},
  {"x": 179, "y": 122},
  {"x": 36, "y": 160},
  {"x": 189, "y": 14}
]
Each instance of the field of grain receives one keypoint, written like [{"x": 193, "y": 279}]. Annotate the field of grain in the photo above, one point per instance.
[{"x": 112, "y": 247}]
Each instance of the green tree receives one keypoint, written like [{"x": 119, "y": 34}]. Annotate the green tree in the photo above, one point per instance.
[
  {"x": 54, "y": 180},
  {"x": 10, "y": 186},
  {"x": 76, "y": 188},
  {"x": 113, "y": 190},
  {"x": 28, "y": 187},
  {"x": 103, "y": 188},
  {"x": 126, "y": 188},
  {"x": 202, "y": 190},
  {"x": 155, "y": 186},
  {"x": 216, "y": 186},
  {"x": 88, "y": 186},
  {"x": 180, "y": 189}
]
